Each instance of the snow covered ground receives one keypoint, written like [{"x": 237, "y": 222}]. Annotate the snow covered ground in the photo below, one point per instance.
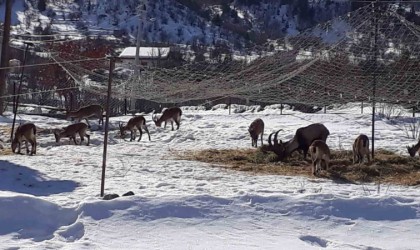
[{"x": 51, "y": 200}]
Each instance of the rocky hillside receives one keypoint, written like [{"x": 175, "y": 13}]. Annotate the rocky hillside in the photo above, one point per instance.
[{"x": 239, "y": 23}]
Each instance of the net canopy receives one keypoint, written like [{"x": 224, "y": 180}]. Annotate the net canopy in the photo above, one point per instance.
[{"x": 372, "y": 52}]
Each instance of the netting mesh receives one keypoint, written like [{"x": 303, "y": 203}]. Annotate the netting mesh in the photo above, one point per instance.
[{"x": 335, "y": 62}]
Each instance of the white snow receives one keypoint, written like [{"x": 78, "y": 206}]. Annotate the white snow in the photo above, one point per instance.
[{"x": 51, "y": 200}]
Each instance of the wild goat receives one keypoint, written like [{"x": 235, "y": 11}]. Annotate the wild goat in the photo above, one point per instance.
[
  {"x": 255, "y": 129},
  {"x": 27, "y": 133},
  {"x": 319, "y": 152},
  {"x": 87, "y": 112},
  {"x": 136, "y": 122},
  {"x": 171, "y": 114},
  {"x": 71, "y": 131},
  {"x": 414, "y": 149},
  {"x": 361, "y": 149},
  {"x": 301, "y": 141}
]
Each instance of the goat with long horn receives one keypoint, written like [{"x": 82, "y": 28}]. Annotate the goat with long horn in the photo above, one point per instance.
[{"x": 301, "y": 141}]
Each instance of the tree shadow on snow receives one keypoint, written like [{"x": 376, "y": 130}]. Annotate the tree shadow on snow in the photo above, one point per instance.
[{"x": 21, "y": 179}]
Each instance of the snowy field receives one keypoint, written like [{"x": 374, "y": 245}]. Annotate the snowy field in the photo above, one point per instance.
[{"x": 51, "y": 200}]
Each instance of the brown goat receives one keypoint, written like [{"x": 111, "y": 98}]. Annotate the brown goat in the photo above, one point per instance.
[
  {"x": 27, "y": 133},
  {"x": 319, "y": 152},
  {"x": 255, "y": 129},
  {"x": 138, "y": 122},
  {"x": 86, "y": 112},
  {"x": 301, "y": 141},
  {"x": 171, "y": 114},
  {"x": 361, "y": 149},
  {"x": 71, "y": 131},
  {"x": 414, "y": 149}
]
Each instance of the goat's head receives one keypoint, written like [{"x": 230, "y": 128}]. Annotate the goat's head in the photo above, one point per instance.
[
  {"x": 275, "y": 146},
  {"x": 157, "y": 120},
  {"x": 122, "y": 129},
  {"x": 411, "y": 150}
]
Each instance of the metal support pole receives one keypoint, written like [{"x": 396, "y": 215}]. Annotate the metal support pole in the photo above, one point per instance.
[
  {"x": 362, "y": 107},
  {"x": 108, "y": 100},
  {"x": 375, "y": 51},
  {"x": 230, "y": 105},
  {"x": 17, "y": 93},
  {"x": 125, "y": 106}
]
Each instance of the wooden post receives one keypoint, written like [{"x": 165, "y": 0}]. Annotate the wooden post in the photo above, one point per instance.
[
  {"x": 5, "y": 53},
  {"x": 108, "y": 100}
]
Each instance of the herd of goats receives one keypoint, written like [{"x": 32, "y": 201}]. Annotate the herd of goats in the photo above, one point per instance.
[{"x": 310, "y": 139}]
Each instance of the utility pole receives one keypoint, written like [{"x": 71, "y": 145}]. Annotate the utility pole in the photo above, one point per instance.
[
  {"x": 4, "y": 61},
  {"x": 141, "y": 14}
]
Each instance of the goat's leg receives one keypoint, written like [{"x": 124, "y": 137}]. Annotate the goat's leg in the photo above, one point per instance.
[
  {"x": 88, "y": 139},
  {"x": 313, "y": 165},
  {"x": 140, "y": 132},
  {"x": 33, "y": 147},
  {"x": 87, "y": 121},
  {"x": 82, "y": 138},
  {"x": 27, "y": 147},
  {"x": 147, "y": 131},
  {"x": 131, "y": 135}
]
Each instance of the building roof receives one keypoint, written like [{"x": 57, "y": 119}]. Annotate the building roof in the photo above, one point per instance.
[{"x": 145, "y": 53}]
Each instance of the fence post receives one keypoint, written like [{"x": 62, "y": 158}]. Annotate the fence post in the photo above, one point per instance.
[{"x": 108, "y": 100}]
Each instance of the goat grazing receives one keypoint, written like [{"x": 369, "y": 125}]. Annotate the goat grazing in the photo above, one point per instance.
[
  {"x": 302, "y": 139},
  {"x": 136, "y": 122},
  {"x": 255, "y": 129},
  {"x": 171, "y": 114},
  {"x": 27, "y": 133},
  {"x": 87, "y": 112},
  {"x": 319, "y": 152},
  {"x": 71, "y": 131},
  {"x": 361, "y": 149},
  {"x": 414, "y": 149}
]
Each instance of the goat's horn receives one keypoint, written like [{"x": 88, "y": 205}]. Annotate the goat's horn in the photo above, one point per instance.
[
  {"x": 275, "y": 137},
  {"x": 269, "y": 139}
]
